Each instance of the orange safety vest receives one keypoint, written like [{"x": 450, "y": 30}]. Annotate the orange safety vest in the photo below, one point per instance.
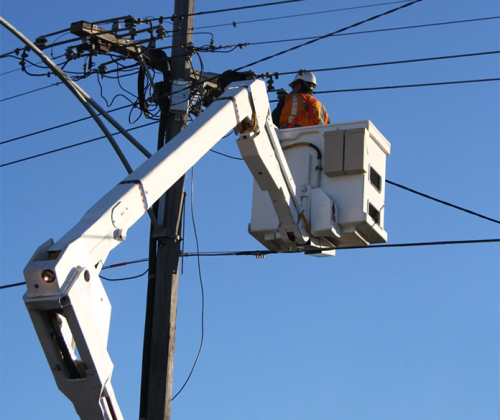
[{"x": 303, "y": 109}]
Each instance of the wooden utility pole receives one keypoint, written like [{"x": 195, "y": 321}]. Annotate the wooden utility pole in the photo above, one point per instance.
[{"x": 161, "y": 311}]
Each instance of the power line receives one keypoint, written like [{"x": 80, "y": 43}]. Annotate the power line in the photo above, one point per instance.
[
  {"x": 124, "y": 278},
  {"x": 314, "y": 38},
  {"x": 294, "y": 72},
  {"x": 403, "y": 245},
  {"x": 447, "y": 57},
  {"x": 378, "y": 30},
  {"x": 228, "y": 156},
  {"x": 59, "y": 126},
  {"x": 442, "y": 202},
  {"x": 173, "y": 17},
  {"x": 31, "y": 91},
  {"x": 386, "y": 63},
  {"x": 324, "y": 36},
  {"x": 318, "y": 93},
  {"x": 259, "y": 253},
  {"x": 407, "y": 189},
  {"x": 301, "y": 15},
  {"x": 330, "y": 34},
  {"x": 242, "y": 7},
  {"x": 71, "y": 146},
  {"x": 7, "y": 286},
  {"x": 408, "y": 86}
]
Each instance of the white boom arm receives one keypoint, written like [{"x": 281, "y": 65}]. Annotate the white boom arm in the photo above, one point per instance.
[{"x": 65, "y": 297}]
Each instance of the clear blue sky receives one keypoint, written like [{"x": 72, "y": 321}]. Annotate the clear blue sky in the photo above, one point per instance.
[{"x": 386, "y": 334}]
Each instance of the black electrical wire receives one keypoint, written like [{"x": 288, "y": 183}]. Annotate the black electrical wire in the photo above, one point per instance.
[
  {"x": 201, "y": 287},
  {"x": 442, "y": 202},
  {"x": 407, "y": 189},
  {"x": 10, "y": 71},
  {"x": 124, "y": 278},
  {"x": 232, "y": 9},
  {"x": 58, "y": 126},
  {"x": 408, "y": 86},
  {"x": 296, "y": 47},
  {"x": 7, "y": 286},
  {"x": 377, "y": 30},
  {"x": 301, "y": 15},
  {"x": 403, "y": 245},
  {"x": 228, "y": 156},
  {"x": 447, "y": 57},
  {"x": 387, "y": 63},
  {"x": 317, "y": 93},
  {"x": 107, "y": 267},
  {"x": 328, "y": 35},
  {"x": 71, "y": 146},
  {"x": 11, "y": 54},
  {"x": 108, "y": 104},
  {"x": 312, "y": 38},
  {"x": 267, "y": 252},
  {"x": 31, "y": 91},
  {"x": 15, "y": 70}
]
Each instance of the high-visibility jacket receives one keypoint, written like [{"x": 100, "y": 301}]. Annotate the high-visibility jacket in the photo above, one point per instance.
[{"x": 302, "y": 109}]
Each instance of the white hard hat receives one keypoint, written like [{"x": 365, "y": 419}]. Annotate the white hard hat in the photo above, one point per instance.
[{"x": 307, "y": 76}]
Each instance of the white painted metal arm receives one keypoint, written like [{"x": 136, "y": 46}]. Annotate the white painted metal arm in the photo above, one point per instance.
[
  {"x": 66, "y": 299},
  {"x": 260, "y": 148}
]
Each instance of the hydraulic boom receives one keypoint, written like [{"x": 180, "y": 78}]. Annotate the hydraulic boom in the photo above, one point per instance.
[{"x": 66, "y": 299}]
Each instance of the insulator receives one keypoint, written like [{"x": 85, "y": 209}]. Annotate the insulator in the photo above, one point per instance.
[
  {"x": 270, "y": 85},
  {"x": 190, "y": 48},
  {"x": 116, "y": 26},
  {"x": 161, "y": 32},
  {"x": 41, "y": 42},
  {"x": 102, "y": 68},
  {"x": 70, "y": 53},
  {"x": 130, "y": 22}
]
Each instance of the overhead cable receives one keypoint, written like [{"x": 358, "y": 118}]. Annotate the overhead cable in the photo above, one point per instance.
[
  {"x": 59, "y": 126},
  {"x": 404, "y": 245},
  {"x": 296, "y": 47},
  {"x": 232, "y": 9},
  {"x": 228, "y": 156},
  {"x": 71, "y": 146},
  {"x": 260, "y": 253},
  {"x": 8, "y": 286},
  {"x": 318, "y": 93},
  {"x": 301, "y": 15},
  {"x": 386, "y": 63},
  {"x": 378, "y": 30},
  {"x": 124, "y": 278},
  {"x": 442, "y": 202},
  {"x": 407, "y": 189},
  {"x": 416, "y": 60},
  {"x": 409, "y": 86},
  {"x": 31, "y": 91},
  {"x": 124, "y": 263}
]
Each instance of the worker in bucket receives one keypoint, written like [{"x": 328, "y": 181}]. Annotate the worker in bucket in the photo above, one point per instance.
[{"x": 300, "y": 108}]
